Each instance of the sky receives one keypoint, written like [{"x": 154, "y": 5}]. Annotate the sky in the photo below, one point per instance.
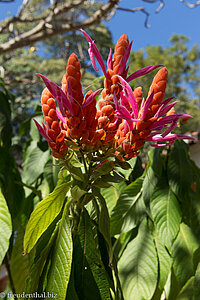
[{"x": 175, "y": 17}]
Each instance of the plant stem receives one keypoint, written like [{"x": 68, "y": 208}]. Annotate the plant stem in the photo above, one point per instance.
[{"x": 84, "y": 162}]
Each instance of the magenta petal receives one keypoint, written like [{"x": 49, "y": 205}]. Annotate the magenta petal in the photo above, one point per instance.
[
  {"x": 123, "y": 99},
  {"x": 125, "y": 113},
  {"x": 88, "y": 38},
  {"x": 169, "y": 137},
  {"x": 125, "y": 58},
  {"x": 147, "y": 105},
  {"x": 167, "y": 120},
  {"x": 42, "y": 130},
  {"x": 58, "y": 93},
  {"x": 170, "y": 128},
  {"x": 109, "y": 60},
  {"x": 90, "y": 98},
  {"x": 142, "y": 72},
  {"x": 129, "y": 94},
  {"x": 99, "y": 58},
  {"x": 167, "y": 108},
  {"x": 166, "y": 101},
  {"x": 94, "y": 52},
  {"x": 91, "y": 54},
  {"x": 162, "y": 145},
  {"x": 60, "y": 116}
]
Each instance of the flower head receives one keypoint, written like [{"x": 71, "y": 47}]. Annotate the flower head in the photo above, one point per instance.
[{"x": 124, "y": 120}]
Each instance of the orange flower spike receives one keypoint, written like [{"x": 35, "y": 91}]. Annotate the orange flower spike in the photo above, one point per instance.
[
  {"x": 73, "y": 76},
  {"x": 120, "y": 50},
  {"x": 159, "y": 85}
]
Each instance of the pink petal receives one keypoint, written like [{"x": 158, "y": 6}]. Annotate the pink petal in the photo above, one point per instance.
[
  {"x": 88, "y": 38},
  {"x": 42, "y": 130},
  {"x": 167, "y": 120},
  {"x": 147, "y": 105},
  {"x": 94, "y": 52},
  {"x": 125, "y": 58},
  {"x": 57, "y": 93},
  {"x": 91, "y": 97},
  {"x": 129, "y": 94},
  {"x": 167, "y": 108},
  {"x": 162, "y": 145},
  {"x": 60, "y": 116},
  {"x": 170, "y": 128},
  {"x": 109, "y": 60},
  {"x": 142, "y": 72}
]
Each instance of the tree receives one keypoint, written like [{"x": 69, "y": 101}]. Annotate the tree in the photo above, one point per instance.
[
  {"x": 38, "y": 20},
  {"x": 184, "y": 77}
]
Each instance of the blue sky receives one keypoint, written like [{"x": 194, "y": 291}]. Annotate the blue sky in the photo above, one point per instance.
[{"x": 175, "y": 17}]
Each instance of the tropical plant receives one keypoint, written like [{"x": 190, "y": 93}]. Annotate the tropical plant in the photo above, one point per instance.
[{"x": 104, "y": 229}]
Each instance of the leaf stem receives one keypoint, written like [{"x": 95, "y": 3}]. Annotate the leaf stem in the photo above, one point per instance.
[{"x": 84, "y": 162}]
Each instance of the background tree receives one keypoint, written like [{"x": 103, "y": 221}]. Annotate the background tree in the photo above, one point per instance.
[{"x": 184, "y": 77}]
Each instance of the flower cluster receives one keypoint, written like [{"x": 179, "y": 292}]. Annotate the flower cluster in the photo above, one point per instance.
[{"x": 124, "y": 120}]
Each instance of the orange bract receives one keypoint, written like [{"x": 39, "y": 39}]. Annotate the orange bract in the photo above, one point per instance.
[{"x": 58, "y": 146}]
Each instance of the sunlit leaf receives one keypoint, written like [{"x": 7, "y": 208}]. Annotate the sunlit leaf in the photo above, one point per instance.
[
  {"x": 59, "y": 274},
  {"x": 187, "y": 292},
  {"x": 5, "y": 227},
  {"x": 164, "y": 261},
  {"x": 182, "y": 253},
  {"x": 122, "y": 217},
  {"x": 138, "y": 266},
  {"x": 43, "y": 215},
  {"x": 166, "y": 214},
  {"x": 20, "y": 264}
]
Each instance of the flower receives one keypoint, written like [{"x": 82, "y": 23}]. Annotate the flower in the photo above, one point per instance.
[
  {"x": 124, "y": 120},
  {"x": 152, "y": 123}
]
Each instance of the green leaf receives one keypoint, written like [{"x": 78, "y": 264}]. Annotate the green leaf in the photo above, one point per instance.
[
  {"x": 111, "y": 195},
  {"x": 197, "y": 283},
  {"x": 128, "y": 172},
  {"x": 153, "y": 173},
  {"x": 164, "y": 260},
  {"x": 5, "y": 227},
  {"x": 60, "y": 270},
  {"x": 43, "y": 215},
  {"x": 182, "y": 253},
  {"x": 166, "y": 214},
  {"x": 5, "y": 121},
  {"x": 11, "y": 179},
  {"x": 122, "y": 217},
  {"x": 138, "y": 266},
  {"x": 187, "y": 292},
  {"x": 89, "y": 244},
  {"x": 35, "y": 160},
  {"x": 20, "y": 265},
  {"x": 179, "y": 169},
  {"x": 104, "y": 219},
  {"x": 42, "y": 255}
]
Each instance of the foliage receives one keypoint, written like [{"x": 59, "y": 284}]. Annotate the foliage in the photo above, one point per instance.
[{"x": 150, "y": 234}]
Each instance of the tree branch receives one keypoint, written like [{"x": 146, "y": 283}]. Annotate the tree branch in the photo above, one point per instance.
[
  {"x": 133, "y": 10},
  {"x": 190, "y": 5},
  {"x": 48, "y": 27}
]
